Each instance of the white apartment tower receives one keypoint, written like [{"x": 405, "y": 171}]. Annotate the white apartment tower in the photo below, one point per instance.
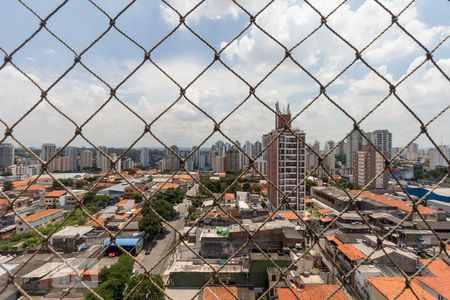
[
  {"x": 102, "y": 161},
  {"x": 436, "y": 158},
  {"x": 71, "y": 153},
  {"x": 47, "y": 152},
  {"x": 86, "y": 159}
]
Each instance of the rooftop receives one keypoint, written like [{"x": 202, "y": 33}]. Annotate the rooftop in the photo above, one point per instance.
[
  {"x": 437, "y": 267},
  {"x": 391, "y": 287},
  {"x": 351, "y": 252},
  {"x": 56, "y": 193},
  {"x": 220, "y": 292},
  {"x": 441, "y": 286},
  {"x": 73, "y": 231},
  {"x": 41, "y": 214},
  {"x": 399, "y": 204}
]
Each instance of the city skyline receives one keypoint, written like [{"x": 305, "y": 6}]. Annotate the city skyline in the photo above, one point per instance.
[{"x": 218, "y": 91}]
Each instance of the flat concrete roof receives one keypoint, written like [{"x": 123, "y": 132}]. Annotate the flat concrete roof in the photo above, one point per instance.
[{"x": 72, "y": 231}]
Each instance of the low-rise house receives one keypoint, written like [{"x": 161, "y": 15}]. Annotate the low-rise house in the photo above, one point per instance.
[
  {"x": 39, "y": 219},
  {"x": 54, "y": 199},
  {"x": 389, "y": 288},
  {"x": 70, "y": 238}
]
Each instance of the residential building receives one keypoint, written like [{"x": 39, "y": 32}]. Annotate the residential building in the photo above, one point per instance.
[
  {"x": 232, "y": 160},
  {"x": 6, "y": 156},
  {"x": 86, "y": 159},
  {"x": 286, "y": 163},
  {"x": 117, "y": 162},
  {"x": 145, "y": 156},
  {"x": 39, "y": 219},
  {"x": 53, "y": 199},
  {"x": 437, "y": 159},
  {"x": 102, "y": 161},
  {"x": 353, "y": 143},
  {"x": 71, "y": 154},
  {"x": 382, "y": 139},
  {"x": 367, "y": 164},
  {"x": 47, "y": 152}
]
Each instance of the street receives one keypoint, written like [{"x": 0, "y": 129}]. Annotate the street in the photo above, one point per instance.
[{"x": 163, "y": 244}]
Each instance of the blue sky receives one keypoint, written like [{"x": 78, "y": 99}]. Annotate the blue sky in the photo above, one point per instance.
[{"x": 253, "y": 55}]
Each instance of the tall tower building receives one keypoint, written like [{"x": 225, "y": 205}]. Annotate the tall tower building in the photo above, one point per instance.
[
  {"x": 195, "y": 158},
  {"x": 232, "y": 160},
  {"x": 382, "y": 139},
  {"x": 367, "y": 164},
  {"x": 353, "y": 143},
  {"x": 286, "y": 163},
  {"x": 145, "y": 156},
  {"x": 102, "y": 161},
  {"x": 118, "y": 164},
  {"x": 435, "y": 157},
  {"x": 86, "y": 159},
  {"x": 47, "y": 152},
  {"x": 71, "y": 153},
  {"x": 6, "y": 156}
]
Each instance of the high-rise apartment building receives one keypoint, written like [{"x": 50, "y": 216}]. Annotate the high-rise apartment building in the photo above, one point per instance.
[
  {"x": 145, "y": 156},
  {"x": 367, "y": 164},
  {"x": 286, "y": 163},
  {"x": 6, "y": 156},
  {"x": 382, "y": 139},
  {"x": 47, "y": 152},
  {"x": 102, "y": 160},
  {"x": 257, "y": 148},
  {"x": 436, "y": 158},
  {"x": 117, "y": 164},
  {"x": 71, "y": 153},
  {"x": 195, "y": 158},
  {"x": 330, "y": 160},
  {"x": 353, "y": 143},
  {"x": 232, "y": 160},
  {"x": 86, "y": 159}
]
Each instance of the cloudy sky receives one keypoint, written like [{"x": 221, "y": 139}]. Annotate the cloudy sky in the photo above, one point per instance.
[{"x": 218, "y": 91}]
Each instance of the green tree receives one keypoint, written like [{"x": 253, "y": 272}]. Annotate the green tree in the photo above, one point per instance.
[
  {"x": 7, "y": 185},
  {"x": 114, "y": 279},
  {"x": 146, "y": 288},
  {"x": 150, "y": 224},
  {"x": 67, "y": 182},
  {"x": 163, "y": 208}
]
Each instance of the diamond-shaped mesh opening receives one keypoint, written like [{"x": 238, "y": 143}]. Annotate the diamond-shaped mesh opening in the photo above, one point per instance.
[{"x": 169, "y": 195}]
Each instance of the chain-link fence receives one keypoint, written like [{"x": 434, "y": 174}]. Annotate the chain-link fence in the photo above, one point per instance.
[{"x": 218, "y": 272}]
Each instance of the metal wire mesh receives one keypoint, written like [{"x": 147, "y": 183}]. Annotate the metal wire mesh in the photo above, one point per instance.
[{"x": 216, "y": 59}]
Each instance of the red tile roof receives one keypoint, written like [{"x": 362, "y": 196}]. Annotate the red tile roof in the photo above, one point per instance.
[
  {"x": 438, "y": 267},
  {"x": 287, "y": 214},
  {"x": 41, "y": 214},
  {"x": 228, "y": 196},
  {"x": 169, "y": 185},
  {"x": 219, "y": 293},
  {"x": 319, "y": 292},
  {"x": 390, "y": 287},
  {"x": 287, "y": 294},
  {"x": 324, "y": 211},
  {"x": 351, "y": 252},
  {"x": 400, "y": 204},
  {"x": 56, "y": 193},
  {"x": 440, "y": 285},
  {"x": 334, "y": 239}
]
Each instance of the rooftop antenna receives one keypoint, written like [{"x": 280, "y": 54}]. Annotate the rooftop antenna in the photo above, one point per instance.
[{"x": 277, "y": 107}]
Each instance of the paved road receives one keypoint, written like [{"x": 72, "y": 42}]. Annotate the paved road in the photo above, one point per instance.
[{"x": 164, "y": 244}]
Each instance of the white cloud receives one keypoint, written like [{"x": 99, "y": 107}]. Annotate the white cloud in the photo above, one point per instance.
[{"x": 218, "y": 91}]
